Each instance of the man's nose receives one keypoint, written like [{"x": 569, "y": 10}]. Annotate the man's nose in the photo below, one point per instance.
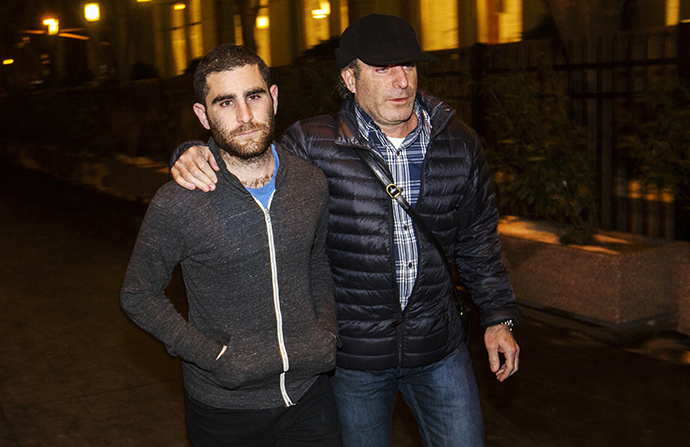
[
  {"x": 244, "y": 114},
  {"x": 400, "y": 77}
]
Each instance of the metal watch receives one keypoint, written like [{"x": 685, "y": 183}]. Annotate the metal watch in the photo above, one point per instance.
[{"x": 508, "y": 323}]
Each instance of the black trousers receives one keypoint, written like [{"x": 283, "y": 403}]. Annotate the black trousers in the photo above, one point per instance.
[{"x": 312, "y": 422}]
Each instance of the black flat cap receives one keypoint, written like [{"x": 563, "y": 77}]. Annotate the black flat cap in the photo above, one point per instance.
[{"x": 380, "y": 40}]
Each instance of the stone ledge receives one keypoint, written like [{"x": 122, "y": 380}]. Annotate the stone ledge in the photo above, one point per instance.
[{"x": 628, "y": 284}]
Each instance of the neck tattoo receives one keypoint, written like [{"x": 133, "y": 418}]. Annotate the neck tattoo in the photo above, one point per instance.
[
  {"x": 257, "y": 182},
  {"x": 252, "y": 173}
]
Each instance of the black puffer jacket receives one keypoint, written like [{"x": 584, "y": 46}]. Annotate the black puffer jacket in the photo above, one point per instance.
[{"x": 457, "y": 201}]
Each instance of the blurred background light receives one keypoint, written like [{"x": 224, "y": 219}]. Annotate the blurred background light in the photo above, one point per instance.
[
  {"x": 262, "y": 22},
  {"x": 92, "y": 12},
  {"x": 323, "y": 11},
  {"x": 53, "y": 26}
]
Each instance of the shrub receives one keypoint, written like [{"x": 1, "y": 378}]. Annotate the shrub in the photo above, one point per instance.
[
  {"x": 656, "y": 138},
  {"x": 542, "y": 164}
]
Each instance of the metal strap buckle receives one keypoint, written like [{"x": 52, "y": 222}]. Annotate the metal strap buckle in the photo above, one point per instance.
[{"x": 393, "y": 190}]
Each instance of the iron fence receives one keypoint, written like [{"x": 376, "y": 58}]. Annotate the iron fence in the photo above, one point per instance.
[{"x": 602, "y": 78}]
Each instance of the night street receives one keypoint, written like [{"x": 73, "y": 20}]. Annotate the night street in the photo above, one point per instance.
[{"x": 74, "y": 371}]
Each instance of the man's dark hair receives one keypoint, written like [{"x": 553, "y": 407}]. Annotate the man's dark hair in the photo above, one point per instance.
[
  {"x": 226, "y": 57},
  {"x": 341, "y": 88}
]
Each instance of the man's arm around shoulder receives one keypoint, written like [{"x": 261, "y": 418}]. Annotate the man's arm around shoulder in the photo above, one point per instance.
[{"x": 192, "y": 166}]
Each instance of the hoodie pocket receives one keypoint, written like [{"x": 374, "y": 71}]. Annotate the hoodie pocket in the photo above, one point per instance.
[{"x": 247, "y": 361}]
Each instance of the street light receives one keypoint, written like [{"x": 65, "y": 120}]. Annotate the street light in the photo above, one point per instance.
[
  {"x": 92, "y": 12},
  {"x": 8, "y": 62},
  {"x": 53, "y": 26}
]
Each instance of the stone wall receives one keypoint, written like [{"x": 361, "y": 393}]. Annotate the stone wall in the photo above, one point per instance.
[{"x": 628, "y": 284}]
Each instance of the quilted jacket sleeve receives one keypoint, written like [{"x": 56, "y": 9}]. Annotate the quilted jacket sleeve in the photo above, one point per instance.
[{"x": 478, "y": 255}]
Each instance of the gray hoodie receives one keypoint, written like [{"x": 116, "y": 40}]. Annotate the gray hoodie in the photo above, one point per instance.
[{"x": 257, "y": 281}]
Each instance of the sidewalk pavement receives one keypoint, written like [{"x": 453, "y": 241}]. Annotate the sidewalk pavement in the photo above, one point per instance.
[{"x": 74, "y": 371}]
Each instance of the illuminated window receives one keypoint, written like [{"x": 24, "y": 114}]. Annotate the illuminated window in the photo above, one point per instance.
[
  {"x": 186, "y": 33},
  {"x": 439, "y": 24},
  {"x": 237, "y": 19},
  {"x": 178, "y": 40},
  {"x": 262, "y": 33},
  {"x": 196, "y": 43},
  {"x": 316, "y": 21},
  {"x": 500, "y": 21},
  {"x": 672, "y": 12}
]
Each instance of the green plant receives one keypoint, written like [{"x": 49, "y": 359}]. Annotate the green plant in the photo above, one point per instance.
[
  {"x": 543, "y": 167},
  {"x": 656, "y": 138}
]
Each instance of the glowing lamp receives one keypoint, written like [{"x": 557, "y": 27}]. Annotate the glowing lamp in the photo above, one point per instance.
[
  {"x": 262, "y": 22},
  {"x": 92, "y": 12},
  {"x": 323, "y": 11},
  {"x": 53, "y": 26}
]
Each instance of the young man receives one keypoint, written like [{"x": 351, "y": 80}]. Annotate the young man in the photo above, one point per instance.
[
  {"x": 261, "y": 332},
  {"x": 398, "y": 326}
]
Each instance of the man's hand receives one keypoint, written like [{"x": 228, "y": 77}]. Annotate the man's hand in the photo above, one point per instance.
[
  {"x": 499, "y": 339},
  {"x": 195, "y": 169}
]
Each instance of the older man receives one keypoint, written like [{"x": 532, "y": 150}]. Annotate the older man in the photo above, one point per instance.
[{"x": 399, "y": 329}]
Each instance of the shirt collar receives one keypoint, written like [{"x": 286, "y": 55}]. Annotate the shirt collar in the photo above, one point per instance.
[{"x": 369, "y": 130}]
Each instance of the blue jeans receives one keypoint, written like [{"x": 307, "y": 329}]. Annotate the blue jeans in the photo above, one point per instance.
[{"x": 442, "y": 396}]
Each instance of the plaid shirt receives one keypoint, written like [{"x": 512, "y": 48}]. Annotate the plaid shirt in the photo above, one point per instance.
[{"x": 405, "y": 164}]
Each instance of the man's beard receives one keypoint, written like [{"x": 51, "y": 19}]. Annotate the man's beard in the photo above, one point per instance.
[{"x": 227, "y": 140}]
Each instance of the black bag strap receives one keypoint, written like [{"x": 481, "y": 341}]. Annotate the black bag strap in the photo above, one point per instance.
[{"x": 395, "y": 192}]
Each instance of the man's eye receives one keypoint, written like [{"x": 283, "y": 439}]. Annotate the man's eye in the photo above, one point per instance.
[
  {"x": 225, "y": 103},
  {"x": 254, "y": 97}
]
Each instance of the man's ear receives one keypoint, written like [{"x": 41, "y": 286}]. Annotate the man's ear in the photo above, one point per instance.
[
  {"x": 348, "y": 76},
  {"x": 274, "y": 95},
  {"x": 200, "y": 111}
]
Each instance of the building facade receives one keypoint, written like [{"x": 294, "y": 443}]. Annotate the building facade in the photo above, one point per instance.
[
  {"x": 166, "y": 37},
  {"x": 170, "y": 34}
]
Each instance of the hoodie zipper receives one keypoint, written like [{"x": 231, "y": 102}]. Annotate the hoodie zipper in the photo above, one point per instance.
[{"x": 276, "y": 302}]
